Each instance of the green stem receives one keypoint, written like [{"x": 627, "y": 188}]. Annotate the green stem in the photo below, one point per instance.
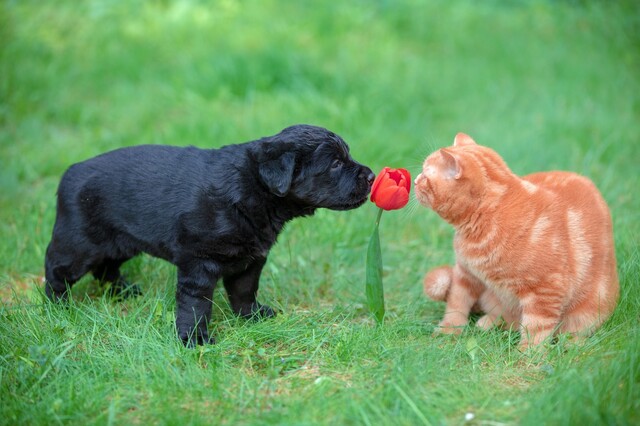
[
  {"x": 379, "y": 216},
  {"x": 374, "y": 287}
]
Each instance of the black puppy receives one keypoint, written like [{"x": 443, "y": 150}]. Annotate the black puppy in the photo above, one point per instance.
[{"x": 213, "y": 213}]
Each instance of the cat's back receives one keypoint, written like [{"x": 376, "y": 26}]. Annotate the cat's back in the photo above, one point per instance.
[
  {"x": 575, "y": 192},
  {"x": 561, "y": 181}
]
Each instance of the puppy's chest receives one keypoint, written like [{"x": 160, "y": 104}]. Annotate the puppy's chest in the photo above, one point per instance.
[{"x": 234, "y": 246}]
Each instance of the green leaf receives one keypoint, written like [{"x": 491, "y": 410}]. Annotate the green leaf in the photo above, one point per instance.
[
  {"x": 472, "y": 350},
  {"x": 374, "y": 288}
]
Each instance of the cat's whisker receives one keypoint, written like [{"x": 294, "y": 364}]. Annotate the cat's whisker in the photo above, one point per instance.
[{"x": 412, "y": 206}]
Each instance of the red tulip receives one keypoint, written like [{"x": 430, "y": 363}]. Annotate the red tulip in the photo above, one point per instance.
[{"x": 390, "y": 190}]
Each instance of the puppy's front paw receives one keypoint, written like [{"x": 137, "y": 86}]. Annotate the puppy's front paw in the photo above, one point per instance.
[
  {"x": 256, "y": 311},
  {"x": 193, "y": 341}
]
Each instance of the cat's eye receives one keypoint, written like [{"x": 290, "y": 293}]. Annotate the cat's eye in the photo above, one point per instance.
[{"x": 337, "y": 163}]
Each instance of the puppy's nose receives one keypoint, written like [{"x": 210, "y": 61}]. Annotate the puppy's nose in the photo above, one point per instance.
[{"x": 370, "y": 178}]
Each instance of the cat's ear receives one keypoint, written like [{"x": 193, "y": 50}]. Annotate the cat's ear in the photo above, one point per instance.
[
  {"x": 452, "y": 166},
  {"x": 463, "y": 140}
]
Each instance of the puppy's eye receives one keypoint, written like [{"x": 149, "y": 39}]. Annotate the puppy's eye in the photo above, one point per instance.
[{"x": 336, "y": 164}]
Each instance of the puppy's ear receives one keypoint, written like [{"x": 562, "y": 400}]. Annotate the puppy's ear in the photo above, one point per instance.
[{"x": 277, "y": 174}]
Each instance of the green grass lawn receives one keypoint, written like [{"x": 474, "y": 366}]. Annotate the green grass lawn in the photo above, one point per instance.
[{"x": 548, "y": 84}]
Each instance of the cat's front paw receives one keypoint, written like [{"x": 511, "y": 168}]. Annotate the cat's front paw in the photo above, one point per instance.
[
  {"x": 486, "y": 322},
  {"x": 453, "y": 322},
  {"x": 449, "y": 328}
]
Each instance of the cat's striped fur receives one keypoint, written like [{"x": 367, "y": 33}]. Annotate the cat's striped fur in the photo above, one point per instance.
[{"x": 535, "y": 252}]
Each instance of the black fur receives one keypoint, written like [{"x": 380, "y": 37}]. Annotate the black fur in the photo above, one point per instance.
[{"x": 213, "y": 213}]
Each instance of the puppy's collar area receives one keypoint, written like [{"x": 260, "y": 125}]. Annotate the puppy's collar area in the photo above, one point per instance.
[{"x": 349, "y": 206}]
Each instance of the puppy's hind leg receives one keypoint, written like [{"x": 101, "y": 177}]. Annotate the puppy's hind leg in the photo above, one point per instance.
[
  {"x": 109, "y": 271},
  {"x": 62, "y": 270},
  {"x": 242, "y": 289}
]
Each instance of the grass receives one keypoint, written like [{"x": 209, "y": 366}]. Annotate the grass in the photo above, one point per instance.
[{"x": 549, "y": 85}]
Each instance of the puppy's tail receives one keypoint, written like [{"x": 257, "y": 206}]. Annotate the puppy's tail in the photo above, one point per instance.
[{"x": 437, "y": 283}]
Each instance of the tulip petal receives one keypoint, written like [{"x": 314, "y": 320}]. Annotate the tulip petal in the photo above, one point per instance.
[
  {"x": 406, "y": 182},
  {"x": 390, "y": 190},
  {"x": 383, "y": 175},
  {"x": 392, "y": 197},
  {"x": 396, "y": 175}
]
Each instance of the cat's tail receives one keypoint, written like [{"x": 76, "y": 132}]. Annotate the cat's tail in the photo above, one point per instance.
[{"x": 437, "y": 283}]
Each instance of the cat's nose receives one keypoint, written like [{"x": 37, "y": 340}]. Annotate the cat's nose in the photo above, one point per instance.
[{"x": 418, "y": 179}]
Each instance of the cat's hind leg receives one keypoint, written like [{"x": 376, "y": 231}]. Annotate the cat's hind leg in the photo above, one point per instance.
[
  {"x": 493, "y": 311},
  {"x": 541, "y": 314},
  {"x": 584, "y": 319},
  {"x": 465, "y": 291}
]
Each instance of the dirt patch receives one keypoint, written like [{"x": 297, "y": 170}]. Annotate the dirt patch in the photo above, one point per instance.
[{"x": 16, "y": 290}]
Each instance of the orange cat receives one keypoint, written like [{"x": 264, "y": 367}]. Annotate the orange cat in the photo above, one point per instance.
[{"x": 536, "y": 252}]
